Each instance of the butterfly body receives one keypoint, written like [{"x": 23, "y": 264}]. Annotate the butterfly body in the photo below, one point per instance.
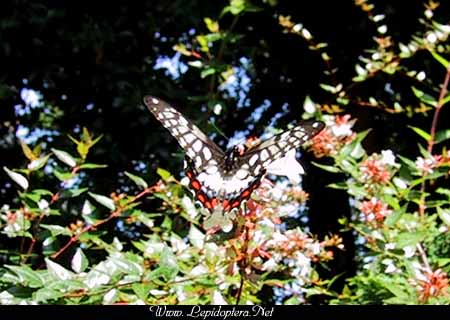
[{"x": 226, "y": 179}]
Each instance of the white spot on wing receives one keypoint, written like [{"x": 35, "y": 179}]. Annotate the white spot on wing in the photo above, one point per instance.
[
  {"x": 253, "y": 159},
  {"x": 285, "y": 135},
  {"x": 182, "y": 129},
  {"x": 190, "y": 153},
  {"x": 242, "y": 174},
  {"x": 273, "y": 150},
  {"x": 264, "y": 155},
  {"x": 183, "y": 121},
  {"x": 197, "y": 146},
  {"x": 207, "y": 153},
  {"x": 189, "y": 137},
  {"x": 212, "y": 170},
  {"x": 198, "y": 161}
]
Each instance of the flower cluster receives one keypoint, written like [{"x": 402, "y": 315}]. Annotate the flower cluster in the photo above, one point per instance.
[
  {"x": 374, "y": 210},
  {"x": 427, "y": 165},
  {"x": 431, "y": 284},
  {"x": 377, "y": 169},
  {"x": 337, "y": 133}
]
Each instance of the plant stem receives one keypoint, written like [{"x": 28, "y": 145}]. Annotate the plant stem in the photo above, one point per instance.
[{"x": 433, "y": 129}]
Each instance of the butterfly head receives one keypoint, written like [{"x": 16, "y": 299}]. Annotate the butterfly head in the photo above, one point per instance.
[{"x": 232, "y": 155}]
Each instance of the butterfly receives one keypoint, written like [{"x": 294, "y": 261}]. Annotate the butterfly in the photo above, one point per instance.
[{"x": 226, "y": 178}]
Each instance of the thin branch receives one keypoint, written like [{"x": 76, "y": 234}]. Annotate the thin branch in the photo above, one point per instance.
[
  {"x": 113, "y": 214},
  {"x": 437, "y": 111},
  {"x": 433, "y": 129}
]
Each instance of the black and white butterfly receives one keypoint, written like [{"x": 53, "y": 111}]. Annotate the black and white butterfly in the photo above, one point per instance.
[{"x": 227, "y": 178}]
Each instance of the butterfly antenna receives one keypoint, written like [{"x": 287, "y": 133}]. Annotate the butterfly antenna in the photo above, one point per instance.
[{"x": 220, "y": 132}]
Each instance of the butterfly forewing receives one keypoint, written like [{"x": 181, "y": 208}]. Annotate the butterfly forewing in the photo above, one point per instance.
[
  {"x": 201, "y": 150},
  {"x": 259, "y": 157}
]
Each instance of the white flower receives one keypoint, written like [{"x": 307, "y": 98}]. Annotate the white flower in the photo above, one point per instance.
[
  {"x": 390, "y": 267},
  {"x": 31, "y": 97},
  {"x": 297, "y": 27},
  {"x": 309, "y": 106},
  {"x": 189, "y": 206},
  {"x": 185, "y": 181},
  {"x": 431, "y": 37},
  {"x": 217, "y": 109},
  {"x": 425, "y": 165},
  {"x": 342, "y": 130},
  {"x": 400, "y": 183},
  {"x": 198, "y": 270},
  {"x": 217, "y": 299},
  {"x": 409, "y": 251},
  {"x": 269, "y": 265},
  {"x": 389, "y": 246},
  {"x": 287, "y": 166},
  {"x": 388, "y": 157},
  {"x": 43, "y": 204}
]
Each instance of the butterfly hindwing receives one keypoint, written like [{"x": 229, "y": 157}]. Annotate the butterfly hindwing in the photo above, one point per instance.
[{"x": 201, "y": 150}]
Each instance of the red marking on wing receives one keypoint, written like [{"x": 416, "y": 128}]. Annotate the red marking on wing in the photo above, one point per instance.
[
  {"x": 201, "y": 197},
  {"x": 235, "y": 203},
  {"x": 196, "y": 185},
  {"x": 246, "y": 193}
]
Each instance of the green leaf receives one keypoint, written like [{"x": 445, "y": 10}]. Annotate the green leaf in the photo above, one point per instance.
[
  {"x": 213, "y": 26},
  {"x": 338, "y": 186},
  {"x": 27, "y": 276},
  {"x": 79, "y": 261},
  {"x": 409, "y": 239},
  {"x": 65, "y": 157},
  {"x": 56, "y": 230},
  {"x": 92, "y": 166},
  {"x": 421, "y": 133},
  {"x": 137, "y": 180},
  {"x": 142, "y": 290},
  {"x": 440, "y": 59},
  {"x": 46, "y": 294},
  {"x": 328, "y": 88},
  {"x": 38, "y": 163},
  {"x": 63, "y": 176},
  {"x": 442, "y": 135},
  {"x": 17, "y": 178},
  {"x": 392, "y": 219},
  {"x": 164, "y": 174},
  {"x": 57, "y": 271},
  {"x": 207, "y": 72},
  {"x": 445, "y": 100},
  {"x": 104, "y": 201},
  {"x": 444, "y": 214},
  {"x": 27, "y": 151},
  {"x": 424, "y": 97},
  {"x": 326, "y": 168},
  {"x": 398, "y": 291},
  {"x": 72, "y": 193},
  {"x": 411, "y": 164},
  {"x": 168, "y": 264}
]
